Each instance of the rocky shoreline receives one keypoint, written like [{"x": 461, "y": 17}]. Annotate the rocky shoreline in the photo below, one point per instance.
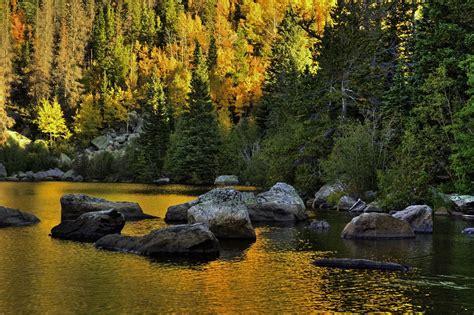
[{"x": 197, "y": 227}]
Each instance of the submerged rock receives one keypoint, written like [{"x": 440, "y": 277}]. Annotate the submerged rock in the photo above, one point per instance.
[
  {"x": 281, "y": 203},
  {"x": 227, "y": 180},
  {"x": 73, "y": 206},
  {"x": 90, "y": 227},
  {"x": 420, "y": 218},
  {"x": 348, "y": 263},
  {"x": 318, "y": 225},
  {"x": 13, "y": 218},
  {"x": 190, "y": 241},
  {"x": 468, "y": 231},
  {"x": 374, "y": 226}
]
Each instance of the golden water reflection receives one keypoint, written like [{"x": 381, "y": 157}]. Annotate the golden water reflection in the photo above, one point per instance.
[{"x": 273, "y": 275}]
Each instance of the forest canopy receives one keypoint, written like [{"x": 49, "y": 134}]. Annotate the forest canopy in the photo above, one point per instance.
[{"x": 378, "y": 95}]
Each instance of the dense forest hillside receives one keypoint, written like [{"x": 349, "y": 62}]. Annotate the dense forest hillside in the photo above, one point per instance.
[{"x": 376, "y": 94}]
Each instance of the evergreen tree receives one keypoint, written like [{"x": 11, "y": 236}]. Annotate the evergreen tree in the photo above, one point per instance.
[
  {"x": 291, "y": 56},
  {"x": 462, "y": 159},
  {"x": 195, "y": 144},
  {"x": 156, "y": 129}
]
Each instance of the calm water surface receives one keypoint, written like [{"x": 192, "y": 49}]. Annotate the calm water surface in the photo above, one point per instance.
[{"x": 273, "y": 275}]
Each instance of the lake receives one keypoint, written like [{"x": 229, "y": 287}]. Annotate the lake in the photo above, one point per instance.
[{"x": 272, "y": 275}]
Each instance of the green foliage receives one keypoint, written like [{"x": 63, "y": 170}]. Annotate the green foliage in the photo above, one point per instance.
[
  {"x": 50, "y": 120},
  {"x": 155, "y": 137},
  {"x": 88, "y": 120},
  {"x": 99, "y": 167},
  {"x": 462, "y": 159},
  {"x": 333, "y": 199},
  {"x": 35, "y": 156},
  {"x": 193, "y": 155},
  {"x": 354, "y": 160}
]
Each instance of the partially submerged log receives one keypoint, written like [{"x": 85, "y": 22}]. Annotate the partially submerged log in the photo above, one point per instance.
[{"x": 348, "y": 263}]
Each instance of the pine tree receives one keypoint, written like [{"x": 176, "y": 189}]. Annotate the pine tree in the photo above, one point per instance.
[
  {"x": 462, "y": 159},
  {"x": 195, "y": 144},
  {"x": 40, "y": 69},
  {"x": 291, "y": 57},
  {"x": 156, "y": 129}
]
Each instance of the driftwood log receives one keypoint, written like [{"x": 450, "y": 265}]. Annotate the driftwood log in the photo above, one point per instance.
[{"x": 348, "y": 263}]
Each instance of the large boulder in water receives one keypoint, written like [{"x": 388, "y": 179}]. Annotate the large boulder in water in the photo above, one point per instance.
[
  {"x": 13, "y": 218},
  {"x": 190, "y": 241},
  {"x": 179, "y": 213},
  {"x": 281, "y": 203},
  {"x": 374, "y": 226},
  {"x": 227, "y": 217},
  {"x": 73, "y": 206},
  {"x": 227, "y": 180},
  {"x": 420, "y": 217},
  {"x": 90, "y": 227}
]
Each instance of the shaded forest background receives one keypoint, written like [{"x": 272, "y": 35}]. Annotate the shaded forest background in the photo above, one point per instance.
[{"x": 376, "y": 94}]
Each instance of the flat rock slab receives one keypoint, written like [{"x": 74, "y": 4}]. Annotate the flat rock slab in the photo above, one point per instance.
[
  {"x": 189, "y": 241},
  {"x": 13, "y": 218},
  {"x": 73, "y": 206},
  {"x": 90, "y": 226},
  {"x": 348, "y": 263}
]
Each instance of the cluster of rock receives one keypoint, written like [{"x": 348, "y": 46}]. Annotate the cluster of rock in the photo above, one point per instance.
[
  {"x": 399, "y": 225},
  {"x": 90, "y": 219},
  {"x": 54, "y": 174},
  {"x": 111, "y": 142},
  {"x": 345, "y": 202},
  {"x": 280, "y": 204}
]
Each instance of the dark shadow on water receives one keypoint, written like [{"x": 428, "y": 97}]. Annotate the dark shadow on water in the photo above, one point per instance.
[{"x": 234, "y": 249}]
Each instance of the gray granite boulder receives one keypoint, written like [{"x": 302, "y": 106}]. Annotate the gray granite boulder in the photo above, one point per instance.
[
  {"x": 345, "y": 203},
  {"x": 375, "y": 226},
  {"x": 321, "y": 196},
  {"x": 90, "y": 227},
  {"x": 227, "y": 180},
  {"x": 463, "y": 203},
  {"x": 420, "y": 218},
  {"x": 101, "y": 142},
  {"x": 179, "y": 213},
  {"x": 280, "y": 204},
  {"x": 191, "y": 241},
  {"x": 73, "y": 206},
  {"x": 228, "y": 220},
  {"x": 13, "y": 218}
]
